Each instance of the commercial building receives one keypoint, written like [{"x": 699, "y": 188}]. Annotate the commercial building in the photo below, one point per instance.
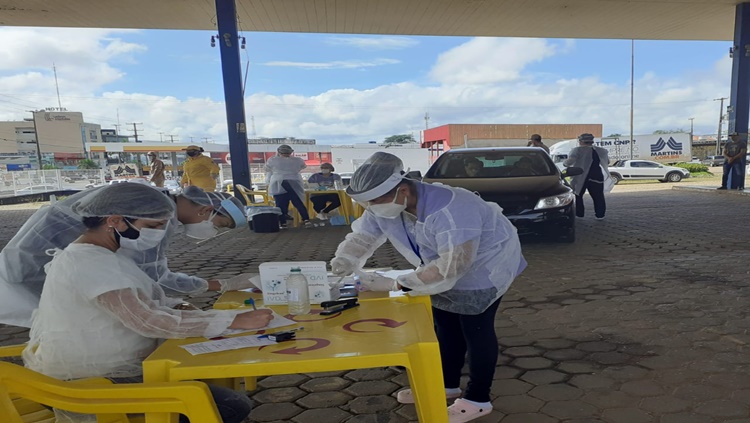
[{"x": 443, "y": 138}]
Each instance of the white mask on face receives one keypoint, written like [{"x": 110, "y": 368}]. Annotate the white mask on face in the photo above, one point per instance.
[
  {"x": 390, "y": 210},
  {"x": 148, "y": 238},
  {"x": 325, "y": 171},
  {"x": 202, "y": 230}
]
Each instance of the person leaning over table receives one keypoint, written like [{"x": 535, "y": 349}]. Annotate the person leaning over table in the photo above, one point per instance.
[
  {"x": 199, "y": 170},
  {"x": 101, "y": 316},
  {"x": 467, "y": 255},
  {"x": 199, "y": 215},
  {"x": 325, "y": 179}
]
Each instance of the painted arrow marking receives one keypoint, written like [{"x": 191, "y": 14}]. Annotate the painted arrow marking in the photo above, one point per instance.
[
  {"x": 388, "y": 323},
  {"x": 319, "y": 343}
]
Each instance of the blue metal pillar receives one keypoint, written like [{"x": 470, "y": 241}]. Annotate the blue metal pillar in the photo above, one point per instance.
[
  {"x": 228, "y": 42},
  {"x": 739, "y": 101}
]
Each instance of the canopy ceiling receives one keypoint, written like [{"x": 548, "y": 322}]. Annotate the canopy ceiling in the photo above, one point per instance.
[{"x": 637, "y": 19}]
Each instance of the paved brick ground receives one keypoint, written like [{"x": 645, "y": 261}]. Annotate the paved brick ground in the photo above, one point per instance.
[{"x": 644, "y": 319}]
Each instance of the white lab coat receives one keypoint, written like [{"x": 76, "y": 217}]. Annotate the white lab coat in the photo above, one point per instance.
[
  {"x": 582, "y": 157},
  {"x": 22, "y": 260},
  {"x": 100, "y": 315},
  {"x": 471, "y": 252},
  {"x": 280, "y": 169}
]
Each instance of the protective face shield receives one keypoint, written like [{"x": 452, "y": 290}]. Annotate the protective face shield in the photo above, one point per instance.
[
  {"x": 390, "y": 210},
  {"x": 202, "y": 230},
  {"x": 140, "y": 239}
]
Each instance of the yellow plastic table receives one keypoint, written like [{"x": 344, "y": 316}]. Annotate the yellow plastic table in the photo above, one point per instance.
[{"x": 376, "y": 334}]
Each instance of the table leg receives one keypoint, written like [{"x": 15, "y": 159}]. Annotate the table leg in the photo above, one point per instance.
[
  {"x": 158, "y": 371},
  {"x": 426, "y": 380}
]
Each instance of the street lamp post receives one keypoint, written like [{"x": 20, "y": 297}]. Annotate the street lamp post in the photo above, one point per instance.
[{"x": 691, "y": 133}]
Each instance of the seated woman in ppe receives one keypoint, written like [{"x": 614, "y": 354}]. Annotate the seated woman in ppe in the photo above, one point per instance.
[
  {"x": 22, "y": 261},
  {"x": 100, "y": 315},
  {"x": 325, "y": 180},
  {"x": 466, "y": 252},
  {"x": 285, "y": 183}
]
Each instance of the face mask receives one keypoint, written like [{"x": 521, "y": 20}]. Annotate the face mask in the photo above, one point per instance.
[
  {"x": 390, "y": 210},
  {"x": 140, "y": 240},
  {"x": 325, "y": 171},
  {"x": 202, "y": 230}
]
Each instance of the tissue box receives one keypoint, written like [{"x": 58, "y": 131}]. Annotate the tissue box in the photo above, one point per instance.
[{"x": 273, "y": 280}]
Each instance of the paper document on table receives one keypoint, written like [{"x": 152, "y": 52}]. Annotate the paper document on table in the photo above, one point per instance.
[
  {"x": 227, "y": 344},
  {"x": 277, "y": 322}
]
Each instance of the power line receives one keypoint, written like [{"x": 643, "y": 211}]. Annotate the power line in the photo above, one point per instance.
[{"x": 135, "y": 129}]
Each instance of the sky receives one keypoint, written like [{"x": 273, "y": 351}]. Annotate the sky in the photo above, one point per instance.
[{"x": 343, "y": 88}]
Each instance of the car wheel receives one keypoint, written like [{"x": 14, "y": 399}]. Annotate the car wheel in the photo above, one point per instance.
[
  {"x": 674, "y": 177},
  {"x": 616, "y": 177}
]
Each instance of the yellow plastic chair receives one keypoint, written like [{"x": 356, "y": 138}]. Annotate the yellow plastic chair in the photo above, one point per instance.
[
  {"x": 23, "y": 390},
  {"x": 249, "y": 196}
]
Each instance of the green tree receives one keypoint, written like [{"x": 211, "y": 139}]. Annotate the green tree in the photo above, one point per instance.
[
  {"x": 49, "y": 167},
  {"x": 669, "y": 131},
  {"x": 400, "y": 139},
  {"x": 87, "y": 164}
]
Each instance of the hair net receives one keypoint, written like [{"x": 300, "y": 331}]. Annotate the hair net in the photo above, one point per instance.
[
  {"x": 285, "y": 149},
  {"x": 222, "y": 202},
  {"x": 135, "y": 201},
  {"x": 377, "y": 176}
]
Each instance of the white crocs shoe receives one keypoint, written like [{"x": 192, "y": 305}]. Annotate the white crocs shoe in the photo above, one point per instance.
[
  {"x": 406, "y": 397},
  {"x": 465, "y": 411}
]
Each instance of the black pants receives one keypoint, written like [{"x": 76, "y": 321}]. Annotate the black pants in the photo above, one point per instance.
[
  {"x": 320, "y": 202},
  {"x": 596, "y": 190},
  {"x": 282, "y": 202},
  {"x": 459, "y": 334}
]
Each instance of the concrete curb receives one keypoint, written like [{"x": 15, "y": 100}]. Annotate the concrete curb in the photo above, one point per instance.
[{"x": 713, "y": 189}]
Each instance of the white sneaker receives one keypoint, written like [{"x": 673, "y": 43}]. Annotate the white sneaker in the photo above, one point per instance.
[
  {"x": 323, "y": 216},
  {"x": 406, "y": 396},
  {"x": 463, "y": 411}
]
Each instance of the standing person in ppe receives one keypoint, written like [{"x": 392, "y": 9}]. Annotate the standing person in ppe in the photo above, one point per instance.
[
  {"x": 102, "y": 319},
  {"x": 156, "y": 173},
  {"x": 466, "y": 253},
  {"x": 199, "y": 170},
  {"x": 285, "y": 183},
  {"x": 594, "y": 161},
  {"x": 199, "y": 215}
]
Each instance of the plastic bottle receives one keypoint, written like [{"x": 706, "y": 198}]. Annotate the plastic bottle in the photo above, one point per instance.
[{"x": 298, "y": 294}]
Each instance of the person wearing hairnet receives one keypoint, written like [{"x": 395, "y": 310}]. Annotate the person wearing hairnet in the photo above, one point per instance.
[
  {"x": 156, "y": 172},
  {"x": 199, "y": 215},
  {"x": 285, "y": 183},
  {"x": 466, "y": 253},
  {"x": 100, "y": 315},
  {"x": 199, "y": 170}
]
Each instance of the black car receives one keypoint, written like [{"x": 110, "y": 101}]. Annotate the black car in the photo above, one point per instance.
[{"x": 522, "y": 180}]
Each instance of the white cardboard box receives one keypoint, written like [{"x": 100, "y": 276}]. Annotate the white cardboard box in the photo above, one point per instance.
[{"x": 273, "y": 280}]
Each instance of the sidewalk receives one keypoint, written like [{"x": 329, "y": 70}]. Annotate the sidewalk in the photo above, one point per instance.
[{"x": 645, "y": 318}]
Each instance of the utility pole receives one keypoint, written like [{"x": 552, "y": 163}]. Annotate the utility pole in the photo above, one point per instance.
[
  {"x": 721, "y": 120},
  {"x": 135, "y": 129},
  {"x": 117, "y": 128},
  {"x": 206, "y": 139},
  {"x": 252, "y": 122},
  {"x": 57, "y": 87},
  {"x": 632, "y": 90},
  {"x": 691, "y": 131},
  {"x": 161, "y": 136},
  {"x": 426, "y": 120},
  {"x": 36, "y": 136},
  {"x": 171, "y": 137},
  {"x": 191, "y": 139}
]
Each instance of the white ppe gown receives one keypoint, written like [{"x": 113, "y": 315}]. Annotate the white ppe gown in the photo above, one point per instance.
[
  {"x": 582, "y": 156},
  {"x": 100, "y": 315},
  {"x": 280, "y": 169},
  {"x": 471, "y": 252},
  {"x": 54, "y": 227}
]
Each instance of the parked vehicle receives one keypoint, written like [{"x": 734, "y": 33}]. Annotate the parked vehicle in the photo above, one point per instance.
[
  {"x": 522, "y": 180},
  {"x": 173, "y": 186},
  {"x": 645, "y": 169},
  {"x": 713, "y": 161},
  {"x": 36, "y": 189}
]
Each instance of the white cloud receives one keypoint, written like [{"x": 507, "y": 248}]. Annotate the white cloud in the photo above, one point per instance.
[
  {"x": 482, "y": 81},
  {"x": 336, "y": 64},
  {"x": 374, "y": 43},
  {"x": 489, "y": 60}
]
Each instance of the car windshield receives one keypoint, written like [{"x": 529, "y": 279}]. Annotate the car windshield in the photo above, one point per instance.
[{"x": 494, "y": 164}]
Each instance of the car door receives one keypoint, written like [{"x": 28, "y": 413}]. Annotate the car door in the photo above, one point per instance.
[{"x": 634, "y": 170}]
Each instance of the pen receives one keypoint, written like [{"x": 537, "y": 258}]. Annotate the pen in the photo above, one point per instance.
[{"x": 251, "y": 302}]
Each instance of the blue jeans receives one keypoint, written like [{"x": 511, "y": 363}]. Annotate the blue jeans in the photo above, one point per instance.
[
  {"x": 732, "y": 175},
  {"x": 282, "y": 202}
]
